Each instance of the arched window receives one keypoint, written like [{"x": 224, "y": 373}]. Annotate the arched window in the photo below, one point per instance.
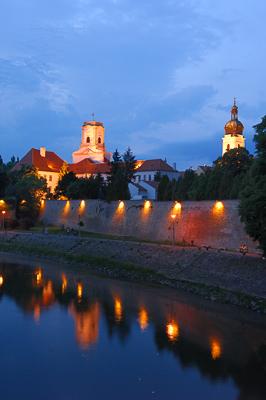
[
  {"x": 228, "y": 147},
  {"x": 99, "y": 140},
  {"x": 88, "y": 139}
]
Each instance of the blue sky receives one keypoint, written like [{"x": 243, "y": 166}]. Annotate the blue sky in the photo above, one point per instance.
[{"x": 160, "y": 74}]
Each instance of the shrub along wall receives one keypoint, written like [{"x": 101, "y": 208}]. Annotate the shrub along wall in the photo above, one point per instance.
[{"x": 204, "y": 223}]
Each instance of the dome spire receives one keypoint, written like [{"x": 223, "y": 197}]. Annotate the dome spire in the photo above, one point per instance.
[{"x": 234, "y": 111}]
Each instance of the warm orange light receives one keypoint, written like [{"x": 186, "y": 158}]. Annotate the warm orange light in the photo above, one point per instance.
[
  {"x": 121, "y": 205},
  {"x": 143, "y": 319},
  {"x": 37, "y": 312},
  {"x": 177, "y": 206},
  {"x": 82, "y": 204},
  {"x": 216, "y": 349},
  {"x": 118, "y": 309},
  {"x": 2, "y": 202},
  {"x": 3, "y": 212},
  {"x": 23, "y": 202},
  {"x": 64, "y": 283},
  {"x": 66, "y": 208},
  {"x": 1, "y": 280},
  {"x": 172, "y": 330},
  {"x": 79, "y": 290},
  {"x": 38, "y": 275},
  {"x": 48, "y": 293},
  {"x": 147, "y": 205},
  {"x": 219, "y": 205},
  {"x": 42, "y": 203},
  {"x": 173, "y": 216}
]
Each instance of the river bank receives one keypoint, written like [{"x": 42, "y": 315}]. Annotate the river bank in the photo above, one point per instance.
[{"x": 217, "y": 276}]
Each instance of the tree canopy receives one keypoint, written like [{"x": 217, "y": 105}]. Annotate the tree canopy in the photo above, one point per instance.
[{"x": 253, "y": 196}]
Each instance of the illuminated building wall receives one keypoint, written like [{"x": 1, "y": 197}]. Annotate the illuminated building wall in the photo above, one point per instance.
[{"x": 205, "y": 223}]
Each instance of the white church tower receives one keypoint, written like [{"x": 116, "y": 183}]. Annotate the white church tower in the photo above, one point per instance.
[
  {"x": 92, "y": 143},
  {"x": 233, "y": 137}
]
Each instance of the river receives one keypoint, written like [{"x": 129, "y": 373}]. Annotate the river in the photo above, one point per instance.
[{"x": 66, "y": 334}]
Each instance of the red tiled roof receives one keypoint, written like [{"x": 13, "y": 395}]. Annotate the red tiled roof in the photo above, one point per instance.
[
  {"x": 92, "y": 123},
  {"x": 86, "y": 166},
  {"x": 155, "y": 165},
  {"x": 51, "y": 162}
]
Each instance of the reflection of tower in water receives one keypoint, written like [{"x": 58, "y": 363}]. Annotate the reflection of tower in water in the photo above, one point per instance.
[{"x": 86, "y": 324}]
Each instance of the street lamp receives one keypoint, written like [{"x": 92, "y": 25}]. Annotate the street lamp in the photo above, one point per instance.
[
  {"x": 3, "y": 219},
  {"x": 173, "y": 218}
]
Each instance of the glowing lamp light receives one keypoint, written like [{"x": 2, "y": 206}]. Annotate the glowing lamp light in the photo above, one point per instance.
[
  {"x": 219, "y": 206},
  {"x": 82, "y": 204},
  {"x": 38, "y": 275},
  {"x": 64, "y": 283},
  {"x": 23, "y": 202},
  {"x": 216, "y": 349},
  {"x": 118, "y": 309},
  {"x": 1, "y": 280},
  {"x": 2, "y": 202},
  {"x": 173, "y": 216},
  {"x": 147, "y": 205},
  {"x": 121, "y": 205},
  {"x": 3, "y": 212},
  {"x": 172, "y": 331},
  {"x": 177, "y": 206},
  {"x": 143, "y": 319},
  {"x": 79, "y": 290},
  {"x": 42, "y": 202}
]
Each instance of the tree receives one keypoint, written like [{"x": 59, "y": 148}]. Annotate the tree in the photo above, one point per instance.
[
  {"x": 26, "y": 190},
  {"x": 252, "y": 207},
  {"x": 66, "y": 180},
  {"x": 122, "y": 172},
  {"x": 86, "y": 188}
]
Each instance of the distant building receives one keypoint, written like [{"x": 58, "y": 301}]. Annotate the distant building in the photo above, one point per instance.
[
  {"x": 92, "y": 144},
  {"x": 144, "y": 185},
  {"x": 233, "y": 137},
  {"x": 46, "y": 162},
  {"x": 92, "y": 159}
]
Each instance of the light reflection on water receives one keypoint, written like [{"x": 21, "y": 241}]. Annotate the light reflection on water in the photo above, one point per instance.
[{"x": 85, "y": 337}]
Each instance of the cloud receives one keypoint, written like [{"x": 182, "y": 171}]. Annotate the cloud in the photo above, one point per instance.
[{"x": 159, "y": 74}]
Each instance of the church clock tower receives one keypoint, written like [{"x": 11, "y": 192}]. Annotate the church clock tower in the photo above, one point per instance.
[
  {"x": 92, "y": 144},
  {"x": 233, "y": 137}
]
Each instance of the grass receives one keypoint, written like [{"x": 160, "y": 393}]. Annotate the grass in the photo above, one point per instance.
[{"x": 54, "y": 230}]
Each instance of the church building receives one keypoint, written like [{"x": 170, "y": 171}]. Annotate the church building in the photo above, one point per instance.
[{"x": 233, "y": 137}]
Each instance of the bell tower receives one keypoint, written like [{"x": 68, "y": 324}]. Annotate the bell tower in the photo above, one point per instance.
[
  {"x": 233, "y": 136},
  {"x": 92, "y": 144}
]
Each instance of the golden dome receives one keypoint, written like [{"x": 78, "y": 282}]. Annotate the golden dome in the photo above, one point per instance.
[{"x": 234, "y": 126}]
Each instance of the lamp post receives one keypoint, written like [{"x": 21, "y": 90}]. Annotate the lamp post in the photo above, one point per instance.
[
  {"x": 3, "y": 219},
  {"x": 173, "y": 218}
]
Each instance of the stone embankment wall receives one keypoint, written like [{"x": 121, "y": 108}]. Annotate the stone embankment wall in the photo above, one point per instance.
[{"x": 199, "y": 223}]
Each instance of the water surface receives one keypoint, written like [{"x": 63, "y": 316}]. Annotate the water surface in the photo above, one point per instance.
[{"x": 65, "y": 334}]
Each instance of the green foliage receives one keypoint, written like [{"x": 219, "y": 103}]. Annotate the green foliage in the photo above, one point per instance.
[
  {"x": 63, "y": 184},
  {"x": 122, "y": 172},
  {"x": 253, "y": 197},
  {"x": 222, "y": 181},
  {"x": 25, "y": 190},
  {"x": 86, "y": 188}
]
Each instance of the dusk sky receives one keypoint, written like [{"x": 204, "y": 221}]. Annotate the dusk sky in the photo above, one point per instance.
[{"x": 161, "y": 75}]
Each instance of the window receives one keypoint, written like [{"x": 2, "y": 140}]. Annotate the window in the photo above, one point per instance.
[
  {"x": 88, "y": 139},
  {"x": 99, "y": 140},
  {"x": 149, "y": 177},
  {"x": 50, "y": 178},
  {"x": 144, "y": 178}
]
